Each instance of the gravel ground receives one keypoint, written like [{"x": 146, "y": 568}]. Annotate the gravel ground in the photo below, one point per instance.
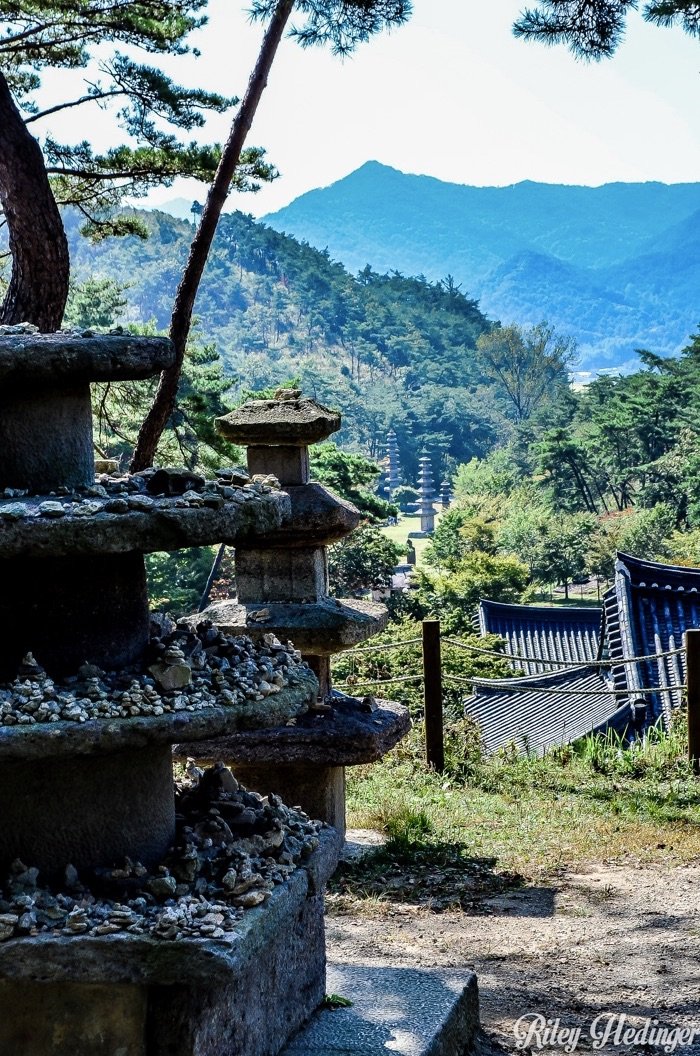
[{"x": 604, "y": 942}]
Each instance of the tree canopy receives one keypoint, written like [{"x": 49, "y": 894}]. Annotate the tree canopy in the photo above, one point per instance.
[
  {"x": 593, "y": 29},
  {"x": 526, "y": 365},
  {"x": 65, "y": 35},
  {"x": 112, "y": 43}
]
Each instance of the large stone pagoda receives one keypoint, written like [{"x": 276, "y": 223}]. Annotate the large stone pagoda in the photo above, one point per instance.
[{"x": 124, "y": 924}]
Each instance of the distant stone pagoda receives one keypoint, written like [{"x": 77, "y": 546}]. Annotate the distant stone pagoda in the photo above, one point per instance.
[
  {"x": 446, "y": 494},
  {"x": 426, "y": 490},
  {"x": 392, "y": 472}
]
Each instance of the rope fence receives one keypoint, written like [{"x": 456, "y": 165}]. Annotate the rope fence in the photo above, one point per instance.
[
  {"x": 382, "y": 647},
  {"x": 482, "y": 650},
  {"x": 379, "y": 682},
  {"x": 561, "y": 663},
  {"x": 433, "y": 674}
]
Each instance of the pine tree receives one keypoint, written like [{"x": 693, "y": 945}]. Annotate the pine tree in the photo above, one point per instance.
[
  {"x": 342, "y": 24},
  {"x": 36, "y": 179},
  {"x": 593, "y": 29}
]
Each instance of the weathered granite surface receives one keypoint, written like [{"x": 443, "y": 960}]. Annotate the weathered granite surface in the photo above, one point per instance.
[
  {"x": 348, "y": 735},
  {"x": 58, "y": 812},
  {"x": 45, "y": 434},
  {"x": 297, "y": 422},
  {"x": 165, "y": 524},
  {"x": 194, "y": 997},
  {"x": 47, "y": 358},
  {"x": 316, "y": 516},
  {"x": 323, "y": 627},
  {"x": 70, "y": 610},
  {"x": 96, "y": 736}
]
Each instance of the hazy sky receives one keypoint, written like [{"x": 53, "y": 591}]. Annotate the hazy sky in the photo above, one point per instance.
[{"x": 454, "y": 95}]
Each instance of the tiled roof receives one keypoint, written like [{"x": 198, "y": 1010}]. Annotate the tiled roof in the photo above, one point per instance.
[
  {"x": 646, "y": 611},
  {"x": 546, "y": 632},
  {"x": 525, "y": 711}
]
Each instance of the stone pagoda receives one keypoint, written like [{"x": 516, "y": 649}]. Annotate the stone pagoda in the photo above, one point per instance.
[
  {"x": 426, "y": 499},
  {"x": 445, "y": 494},
  {"x": 393, "y": 471},
  {"x": 135, "y": 917},
  {"x": 282, "y": 585}
]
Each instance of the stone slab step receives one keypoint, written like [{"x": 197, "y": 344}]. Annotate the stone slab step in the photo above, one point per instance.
[{"x": 406, "y": 1011}]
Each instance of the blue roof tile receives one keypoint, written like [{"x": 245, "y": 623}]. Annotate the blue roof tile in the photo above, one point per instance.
[{"x": 544, "y": 632}]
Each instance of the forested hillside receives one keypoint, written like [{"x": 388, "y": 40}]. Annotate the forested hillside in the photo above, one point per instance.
[
  {"x": 614, "y": 266},
  {"x": 387, "y": 350}
]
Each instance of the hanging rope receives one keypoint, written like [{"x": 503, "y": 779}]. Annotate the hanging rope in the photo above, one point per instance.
[
  {"x": 559, "y": 663},
  {"x": 378, "y": 682},
  {"x": 512, "y": 686},
  {"x": 381, "y": 647}
]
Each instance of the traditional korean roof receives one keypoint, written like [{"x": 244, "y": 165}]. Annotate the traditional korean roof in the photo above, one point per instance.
[
  {"x": 532, "y": 715},
  {"x": 543, "y": 632},
  {"x": 646, "y": 611}
]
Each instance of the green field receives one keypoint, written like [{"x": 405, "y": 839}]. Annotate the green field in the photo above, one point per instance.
[{"x": 398, "y": 533}]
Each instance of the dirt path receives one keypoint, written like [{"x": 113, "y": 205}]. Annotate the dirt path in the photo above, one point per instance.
[{"x": 608, "y": 941}]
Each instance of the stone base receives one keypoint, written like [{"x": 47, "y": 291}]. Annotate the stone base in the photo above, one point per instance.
[
  {"x": 318, "y": 790},
  {"x": 129, "y": 995},
  {"x": 406, "y": 1011}
]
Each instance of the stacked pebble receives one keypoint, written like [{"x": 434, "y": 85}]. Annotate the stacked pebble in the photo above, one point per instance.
[
  {"x": 232, "y": 848},
  {"x": 153, "y": 489},
  {"x": 186, "y": 671}
]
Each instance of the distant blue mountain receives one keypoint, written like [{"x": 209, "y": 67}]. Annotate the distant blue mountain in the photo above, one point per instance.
[{"x": 616, "y": 266}]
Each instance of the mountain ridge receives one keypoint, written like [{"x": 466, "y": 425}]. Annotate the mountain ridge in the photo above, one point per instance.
[{"x": 613, "y": 234}]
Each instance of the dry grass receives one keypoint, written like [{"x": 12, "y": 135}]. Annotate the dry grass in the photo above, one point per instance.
[{"x": 458, "y": 837}]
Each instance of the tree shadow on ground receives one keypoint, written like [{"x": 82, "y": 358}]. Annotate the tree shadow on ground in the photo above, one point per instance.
[{"x": 436, "y": 875}]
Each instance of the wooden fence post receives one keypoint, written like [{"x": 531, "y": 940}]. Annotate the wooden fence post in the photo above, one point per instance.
[
  {"x": 692, "y": 667},
  {"x": 432, "y": 670}
]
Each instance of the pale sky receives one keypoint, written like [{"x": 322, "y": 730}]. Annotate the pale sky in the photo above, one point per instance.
[{"x": 452, "y": 94}]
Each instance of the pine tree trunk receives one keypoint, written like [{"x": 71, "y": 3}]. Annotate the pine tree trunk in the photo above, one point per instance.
[
  {"x": 164, "y": 401},
  {"x": 38, "y": 286}
]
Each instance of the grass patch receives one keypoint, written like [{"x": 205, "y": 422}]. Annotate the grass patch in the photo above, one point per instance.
[
  {"x": 398, "y": 533},
  {"x": 489, "y": 824}
]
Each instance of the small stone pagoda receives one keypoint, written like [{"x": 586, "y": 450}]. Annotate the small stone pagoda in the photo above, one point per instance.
[
  {"x": 426, "y": 499},
  {"x": 135, "y": 917},
  {"x": 393, "y": 471},
  {"x": 282, "y": 584},
  {"x": 446, "y": 494}
]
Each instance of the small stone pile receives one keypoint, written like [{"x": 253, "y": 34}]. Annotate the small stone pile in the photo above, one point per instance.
[
  {"x": 152, "y": 489},
  {"x": 231, "y": 849},
  {"x": 186, "y": 670}
]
